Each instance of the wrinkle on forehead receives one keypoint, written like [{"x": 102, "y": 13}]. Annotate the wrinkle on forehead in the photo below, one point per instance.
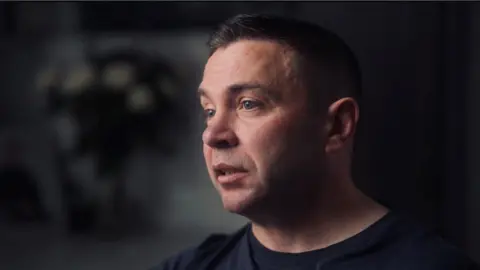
[{"x": 262, "y": 61}]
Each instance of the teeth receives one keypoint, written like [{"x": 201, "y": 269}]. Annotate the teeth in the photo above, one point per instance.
[{"x": 228, "y": 172}]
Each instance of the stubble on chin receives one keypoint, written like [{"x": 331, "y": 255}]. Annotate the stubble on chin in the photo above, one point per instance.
[{"x": 241, "y": 202}]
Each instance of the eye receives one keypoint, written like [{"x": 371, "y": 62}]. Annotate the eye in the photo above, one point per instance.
[
  {"x": 249, "y": 104},
  {"x": 209, "y": 113}
]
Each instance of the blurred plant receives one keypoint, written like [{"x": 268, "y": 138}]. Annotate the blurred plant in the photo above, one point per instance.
[
  {"x": 117, "y": 102},
  {"x": 108, "y": 107}
]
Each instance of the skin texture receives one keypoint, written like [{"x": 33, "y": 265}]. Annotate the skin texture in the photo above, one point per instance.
[{"x": 295, "y": 164}]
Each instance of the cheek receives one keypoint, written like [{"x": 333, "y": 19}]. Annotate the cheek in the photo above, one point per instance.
[
  {"x": 207, "y": 155},
  {"x": 265, "y": 142}
]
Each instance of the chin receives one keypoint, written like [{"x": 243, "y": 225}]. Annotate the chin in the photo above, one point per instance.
[{"x": 238, "y": 203}]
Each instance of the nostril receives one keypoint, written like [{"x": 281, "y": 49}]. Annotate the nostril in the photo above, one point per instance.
[
  {"x": 223, "y": 144},
  {"x": 218, "y": 140}
]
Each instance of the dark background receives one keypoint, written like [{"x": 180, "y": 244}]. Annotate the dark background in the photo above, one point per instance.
[{"x": 417, "y": 148}]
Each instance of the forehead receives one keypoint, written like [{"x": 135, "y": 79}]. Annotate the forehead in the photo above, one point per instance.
[{"x": 249, "y": 61}]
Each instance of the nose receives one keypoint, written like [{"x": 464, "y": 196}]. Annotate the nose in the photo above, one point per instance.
[{"x": 219, "y": 134}]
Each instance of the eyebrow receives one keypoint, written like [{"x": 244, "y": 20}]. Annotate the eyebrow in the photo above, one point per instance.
[{"x": 238, "y": 88}]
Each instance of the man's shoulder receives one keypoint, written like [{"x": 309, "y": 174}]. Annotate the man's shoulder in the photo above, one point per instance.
[
  {"x": 208, "y": 248},
  {"x": 418, "y": 248},
  {"x": 431, "y": 253},
  {"x": 434, "y": 252}
]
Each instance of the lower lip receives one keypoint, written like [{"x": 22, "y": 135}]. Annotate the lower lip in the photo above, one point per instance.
[{"x": 231, "y": 178}]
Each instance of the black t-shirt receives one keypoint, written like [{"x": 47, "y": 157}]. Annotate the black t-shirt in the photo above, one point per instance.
[{"x": 391, "y": 243}]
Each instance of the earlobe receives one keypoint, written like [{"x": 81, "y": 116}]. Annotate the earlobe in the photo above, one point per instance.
[{"x": 342, "y": 118}]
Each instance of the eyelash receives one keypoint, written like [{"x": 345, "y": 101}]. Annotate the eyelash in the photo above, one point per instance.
[
  {"x": 209, "y": 113},
  {"x": 255, "y": 103}
]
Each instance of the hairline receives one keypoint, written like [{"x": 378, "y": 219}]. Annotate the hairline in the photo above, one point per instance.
[{"x": 300, "y": 64}]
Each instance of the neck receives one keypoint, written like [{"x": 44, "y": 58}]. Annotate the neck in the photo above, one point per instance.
[{"x": 325, "y": 222}]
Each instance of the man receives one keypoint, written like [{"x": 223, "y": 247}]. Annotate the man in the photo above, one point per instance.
[{"x": 280, "y": 102}]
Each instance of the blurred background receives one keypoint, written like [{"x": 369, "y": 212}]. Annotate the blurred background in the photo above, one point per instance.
[{"x": 100, "y": 130}]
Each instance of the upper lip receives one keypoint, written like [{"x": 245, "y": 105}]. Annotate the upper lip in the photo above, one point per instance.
[{"x": 221, "y": 168}]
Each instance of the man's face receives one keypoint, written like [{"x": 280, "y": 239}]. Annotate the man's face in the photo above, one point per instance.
[{"x": 260, "y": 144}]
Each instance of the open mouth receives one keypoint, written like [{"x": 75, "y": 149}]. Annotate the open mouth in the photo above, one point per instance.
[
  {"x": 228, "y": 174},
  {"x": 221, "y": 172}
]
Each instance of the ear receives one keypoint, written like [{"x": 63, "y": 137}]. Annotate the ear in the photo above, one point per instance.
[{"x": 342, "y": 118}]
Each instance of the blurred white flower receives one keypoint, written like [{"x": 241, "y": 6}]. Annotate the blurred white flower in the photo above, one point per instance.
[
  {"x": 140, "y": 99},
  {"x": 78, "y": 79},
  {"x": 117, "y": 75},
  {"x": 167, "y": 86},
  {"x": 46, "y": 78}
]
